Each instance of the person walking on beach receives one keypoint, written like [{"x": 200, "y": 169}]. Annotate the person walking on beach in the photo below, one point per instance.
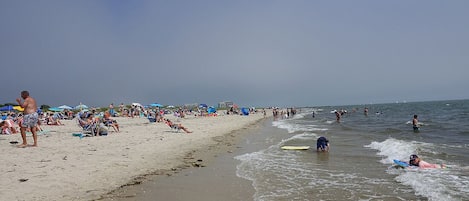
[
  {"x": 30, "y": 118},
  {"x": 415, "y": 123}
]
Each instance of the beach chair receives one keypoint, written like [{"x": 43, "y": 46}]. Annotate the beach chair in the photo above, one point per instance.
[
  {"x": 174, "y": 127},
  {"x": 87, "y": 128},
  {"x": 109, "y": 123}
]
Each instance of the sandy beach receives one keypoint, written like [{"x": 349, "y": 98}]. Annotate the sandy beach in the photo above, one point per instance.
[{"x": 65, "y": 167}]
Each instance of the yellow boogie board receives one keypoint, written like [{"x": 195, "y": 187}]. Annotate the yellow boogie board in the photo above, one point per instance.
[{"x": 295, "y": 147}]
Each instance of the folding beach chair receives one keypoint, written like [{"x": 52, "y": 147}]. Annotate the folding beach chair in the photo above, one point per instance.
[{"x": 87, "y": 128}]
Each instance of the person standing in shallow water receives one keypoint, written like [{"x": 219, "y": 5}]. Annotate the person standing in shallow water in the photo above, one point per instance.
[
  {"x": 415, "y": 123},
  {"x": 337, "y": 116},
  {"x": 30, "y": 118}
]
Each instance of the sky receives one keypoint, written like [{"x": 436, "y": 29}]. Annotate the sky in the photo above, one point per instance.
[{"x": 254, "y": 53}]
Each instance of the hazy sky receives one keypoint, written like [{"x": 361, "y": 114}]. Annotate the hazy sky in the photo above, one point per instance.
[{"x": 255, "y": 53}]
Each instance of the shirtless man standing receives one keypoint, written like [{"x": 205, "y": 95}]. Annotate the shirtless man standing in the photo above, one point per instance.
[
  {"x": 415, "y": 123},
  {"x": 30, "y": 117}
]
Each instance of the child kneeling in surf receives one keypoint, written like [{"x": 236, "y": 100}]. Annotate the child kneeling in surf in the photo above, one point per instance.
[{"x": 322, "y": 144}]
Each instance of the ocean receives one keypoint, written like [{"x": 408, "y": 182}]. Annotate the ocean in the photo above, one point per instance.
[{"x": 359, "y": 164}]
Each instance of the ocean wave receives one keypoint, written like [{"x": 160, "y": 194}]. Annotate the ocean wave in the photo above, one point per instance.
[{"x": 392, "y": 148}]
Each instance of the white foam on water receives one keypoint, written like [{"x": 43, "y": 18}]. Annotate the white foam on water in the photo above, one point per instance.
[
  {"x": 434, "y": 184},
  {"x": 292, "y": 127},
  {"x": 270, "y": 171},
  {"x": 400, "y": 149},
  {"x": 303, "y": 136},
  {"x": 393, "y": 149}
]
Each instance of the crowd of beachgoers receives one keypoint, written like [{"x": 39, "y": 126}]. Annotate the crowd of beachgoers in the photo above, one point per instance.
[
  {"x": 68, "y": 163},
  {"x": 103, "y": 118}
]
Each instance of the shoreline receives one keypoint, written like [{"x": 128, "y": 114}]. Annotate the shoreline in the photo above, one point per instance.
[
  {"x": 64, "y": 167},
  {"x": 201, "y": 160},
  {"x": 197, "y": 158}
]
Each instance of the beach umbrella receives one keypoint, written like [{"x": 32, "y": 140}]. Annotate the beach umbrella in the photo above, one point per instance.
[
  {"x": 65, "y": 107},
  {"x": 18, "y": 108},
  {"x": 137, "y": 104},
  {"x": 6, "y": 108},
  {"x": 156, "y": 105},
  {"x": 55, "y": 109},
  {"x": 203, "y": 105},
  {"x": 211, "y": 110},
  {"x": 245, "y": 111},
  {"x": 80, "y": 107}
]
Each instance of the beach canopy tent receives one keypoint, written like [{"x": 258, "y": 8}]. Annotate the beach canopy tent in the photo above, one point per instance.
[
  {"x": 80, "y": 107},
  {"x": 203, "y": 105},
  {"x": 65, "y": 107},
  {"x": 245, "y": 111},
  {"x": 6, "y": 108},
  {"x": 211, "y": 110}
]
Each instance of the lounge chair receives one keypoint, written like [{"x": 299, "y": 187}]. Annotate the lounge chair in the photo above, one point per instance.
[
  {"x": 176, "y": 127},
  {"x": 91, "y": 129}
]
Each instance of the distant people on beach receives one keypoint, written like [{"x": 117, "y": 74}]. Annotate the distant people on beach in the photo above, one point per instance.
[
  {"x": 111, "y": 109},
  {"x": 275, "y": 113},
  {"x": 365, "y": 111},
  {"x": 322, "y": 144},
  {"x": 121, "y": 109},
  {"x": 415, "y": 123},
  {"x": 53, "y": 119},
  {"x": 30, "y": 118},
  {"x": 8, "y": 126}
]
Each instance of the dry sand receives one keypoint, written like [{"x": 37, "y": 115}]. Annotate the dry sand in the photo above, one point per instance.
[{"x": 65, "y": 167}]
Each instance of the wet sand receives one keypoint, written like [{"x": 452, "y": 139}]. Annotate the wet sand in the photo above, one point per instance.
[{"x": 211, "y": 177}]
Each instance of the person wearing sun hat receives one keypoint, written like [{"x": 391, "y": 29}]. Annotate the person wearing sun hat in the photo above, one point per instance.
[{"x": 414, "y": 160}]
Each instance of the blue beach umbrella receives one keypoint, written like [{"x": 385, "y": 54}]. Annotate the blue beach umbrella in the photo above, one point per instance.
[
  {"x": 156, "y": 105},
  {"x": 80, "y": 107},
  {"x": 245, "y": 111},
  {"x": 211, "y": 110},
  {"x": 65, "y": 107},
  {"x": 203, "y": 105},
  {"x": 6, "y": 108},
  {"x": 55, "y": 109}
]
